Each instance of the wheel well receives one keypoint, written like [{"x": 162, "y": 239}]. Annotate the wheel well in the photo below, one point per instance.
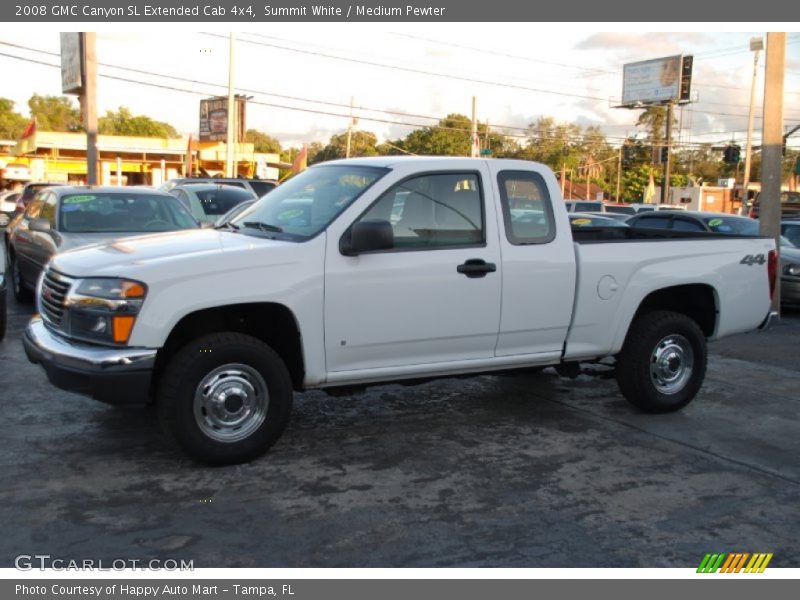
[
  {"x": 696, "y": 301},
  {"x": 272, "y": 323}
]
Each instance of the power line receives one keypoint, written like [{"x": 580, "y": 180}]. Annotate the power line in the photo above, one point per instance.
[
  {"x": 503, "y": 54},
  {"x": 570, "y": 137},
  {"x": 414, "y": 70}
]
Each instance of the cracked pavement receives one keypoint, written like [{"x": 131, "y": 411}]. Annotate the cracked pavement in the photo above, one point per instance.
[{"x": 521, "y": 470}]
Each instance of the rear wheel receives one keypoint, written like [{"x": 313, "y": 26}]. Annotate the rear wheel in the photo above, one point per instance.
[
  {"x": 21, "y": 293},
  {"x": 663, "y": 361},
  {"x": 225, "y": 398},
  {"x": 3, "y": 313}
]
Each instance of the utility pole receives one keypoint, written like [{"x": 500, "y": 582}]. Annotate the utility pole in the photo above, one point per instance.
[
  {"x": 349, "y": 130},
  {"x": 230, "y": 140},
  {"x": 769, "y": 217},
  {"x": 756, "y": 45},
  {"x": 619, "y": 168},
  {"x": 473, "y": 146},
  {"x": 88, "y": 103},
  {"x": 668, "y": 163}
]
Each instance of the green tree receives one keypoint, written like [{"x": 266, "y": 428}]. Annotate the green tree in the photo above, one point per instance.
[
  {"x": 362, "y": 143},
  {"x": 263, "y": 142},
  {"x": 700, "y": 164},
  {"x": 12, "y": 123},
  {"x": 450, "y": 137},
  {"x": 654, "y": 120},
  {"x": 635, "y": 181},
  {"x": 55, "y": 113},
  {"x": 123, "y": 122}
]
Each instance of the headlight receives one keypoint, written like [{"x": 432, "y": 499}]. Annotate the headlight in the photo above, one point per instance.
[
  {"x": 793, "y": 270},
  {"x": 105, "y": 309}
]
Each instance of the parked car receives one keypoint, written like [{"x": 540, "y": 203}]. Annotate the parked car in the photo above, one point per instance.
[
  {"x": 696, "y": 221},
  {"x": 621, "y": 217},
  {"x": 584, "y": 205},
  {"x": 626, "y": 208},
  {"x": 790, "y": 205},
  {"x": 594, "y": 220},
  {"x": 790, "y": 275},
  {"x": 259, "y": 187},
  {"x": 65, "y": 217},
  {"x": 209, "y": 201},
  {"x": 8, "y": 207},
  {"x": 219, "y": 327},
  {"x": 790, "y": 262},
  {"x": 234, "y": 212},
  {"x": 790, "y": 229},
  {"x": 29, "y": 193},
  {"x": 3, "y": 309}
]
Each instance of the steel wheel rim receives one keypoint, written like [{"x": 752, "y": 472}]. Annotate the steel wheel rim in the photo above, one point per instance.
[
  {"x": 671, "y": 364},
  {"x": 231, "y": 402}
]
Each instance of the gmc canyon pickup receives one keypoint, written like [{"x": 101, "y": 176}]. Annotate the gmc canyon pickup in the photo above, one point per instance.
[{"x": 385, "y": 269}]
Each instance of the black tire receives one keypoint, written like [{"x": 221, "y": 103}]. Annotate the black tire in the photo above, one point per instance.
[
  {"x": 662, "y": 363},
  {"x": 3, "y": 314},
  {"x": 21, "y": 293},
  {"x": 193, "y": 418}
]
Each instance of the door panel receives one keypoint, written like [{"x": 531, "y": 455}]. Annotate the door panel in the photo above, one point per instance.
[
  {"x": 539, "y": 268},
  {"x": 413, "y": 304}
]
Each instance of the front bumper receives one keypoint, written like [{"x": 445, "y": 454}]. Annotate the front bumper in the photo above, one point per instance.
[{"x": 111, "y": 375}]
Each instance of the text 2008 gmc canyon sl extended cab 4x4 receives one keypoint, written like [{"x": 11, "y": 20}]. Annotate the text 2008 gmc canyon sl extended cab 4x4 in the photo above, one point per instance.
[{"x": 385, "y": 269}]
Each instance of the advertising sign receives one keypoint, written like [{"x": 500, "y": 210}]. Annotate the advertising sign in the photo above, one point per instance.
[
  {"x": 214, "y": 119},
  {"x": 657, "y": 80},
  {"x": 71, "y": 63}
]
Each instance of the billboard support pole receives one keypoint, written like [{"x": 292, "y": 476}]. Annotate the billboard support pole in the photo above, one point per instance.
[
  {"x": 668, "y": 162},
  {"x": 229, "y": 140},
  {"x": 88, "y": 103}
]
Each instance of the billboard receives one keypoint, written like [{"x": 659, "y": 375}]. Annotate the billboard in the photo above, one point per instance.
[
  {"x": 71, "y": 63},
  {"x": 214, "y": 119},
  {"x": 659, "y": 80}
]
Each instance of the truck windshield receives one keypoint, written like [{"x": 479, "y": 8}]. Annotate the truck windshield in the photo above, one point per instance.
[{"x": 307, "y": 203}]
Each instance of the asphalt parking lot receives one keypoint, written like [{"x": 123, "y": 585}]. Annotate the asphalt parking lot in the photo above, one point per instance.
[{"x": 529, "y": 470}]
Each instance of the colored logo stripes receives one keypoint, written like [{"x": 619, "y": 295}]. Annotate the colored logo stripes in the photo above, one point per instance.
[{"x": 735, "y": 562}]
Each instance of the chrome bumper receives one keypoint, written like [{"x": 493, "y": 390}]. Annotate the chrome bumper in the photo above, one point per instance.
[{"x": 113, "y": 375}]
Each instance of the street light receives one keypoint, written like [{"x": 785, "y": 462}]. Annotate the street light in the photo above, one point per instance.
[{"x": 756, "y": 45}]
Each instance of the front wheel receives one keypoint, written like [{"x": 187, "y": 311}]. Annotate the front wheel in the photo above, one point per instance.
[
  {"x": 225, "y": 398},
  {"x": 663, "y": 361},
  {"x": 21, "y": 293}
]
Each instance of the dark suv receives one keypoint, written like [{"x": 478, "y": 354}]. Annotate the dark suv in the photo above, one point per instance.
[
  {"x": 790, "y": 205},
  {"x": 259, "y": 187},
  {"x": 29, "y": 193}
]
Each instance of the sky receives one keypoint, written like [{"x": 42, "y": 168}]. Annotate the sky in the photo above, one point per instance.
[{"x": 402, "y": 76}]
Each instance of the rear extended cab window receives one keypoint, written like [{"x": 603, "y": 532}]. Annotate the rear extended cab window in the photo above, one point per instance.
[{"x": 526, "y": 206}]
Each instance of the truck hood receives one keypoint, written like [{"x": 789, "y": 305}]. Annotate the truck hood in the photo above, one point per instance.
[{"x": 119, "y": 255}]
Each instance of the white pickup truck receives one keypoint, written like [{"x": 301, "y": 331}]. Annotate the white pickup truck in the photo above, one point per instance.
[{"x": 385, "y": 269}]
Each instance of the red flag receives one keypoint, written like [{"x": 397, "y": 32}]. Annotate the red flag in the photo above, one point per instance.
[
  {"x": 300, "y": 162},
  {"x": 27, "y": 141},
  {"x": 30, "y": 130}
]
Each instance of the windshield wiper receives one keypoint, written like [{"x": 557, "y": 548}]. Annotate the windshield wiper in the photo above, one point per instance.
[
  {"x": 263, "y": 226},
  {"x": 233, "y": 226}
]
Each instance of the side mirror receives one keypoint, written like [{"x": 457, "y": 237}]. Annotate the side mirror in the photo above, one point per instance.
[
  {"x": 369, "y": 236},
  {"x": 40, "y": 225}
]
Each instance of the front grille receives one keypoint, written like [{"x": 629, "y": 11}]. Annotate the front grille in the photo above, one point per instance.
[{"x": 54, "y": 292}]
